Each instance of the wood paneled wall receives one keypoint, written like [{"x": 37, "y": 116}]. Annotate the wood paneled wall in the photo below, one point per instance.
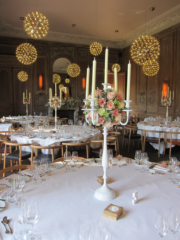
[
  {"x": 11, "y": 89},
  {"x": 146, "y": 91}
]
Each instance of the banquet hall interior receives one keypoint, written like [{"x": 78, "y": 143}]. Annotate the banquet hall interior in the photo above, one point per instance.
[{"x": 98, "y": 79}]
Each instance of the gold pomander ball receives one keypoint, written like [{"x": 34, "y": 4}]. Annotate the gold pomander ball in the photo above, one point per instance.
[
  {"x": 56, "y": 78},
  {"x": 36, "y": 25},
  {"x": 61, "y": 86},
  {"x": 73, "y": 70},
  {"x": 150, "y": 68},
  {"x": 26, "y": 53},
  {"x": 95, "y": 48},
  {"x": 117, "y": 66},
  {"x": 144, "y": 49},
  {"x": 67, "y": 80},
  {"x": 22, "y": 76}
]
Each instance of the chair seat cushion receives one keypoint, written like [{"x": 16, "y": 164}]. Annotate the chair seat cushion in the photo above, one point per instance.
[
  {"x": 133, "y": 136},
  {"x": 48, "y": 156},
  {"x": 15, "y": 155},
  {"x": 153, "y": 139}
]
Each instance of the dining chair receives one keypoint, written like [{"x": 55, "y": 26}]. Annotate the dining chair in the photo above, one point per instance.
[
  {"x": 16, "y": 167},
  {"x": 15, "y": 154},
  {"x": 49, "y": 156},
  {"x": 81, "y": 153},
  {"x": 130, "y": 133},
  {"x": 4, "y": 136},
  {"x": 64, "y": 121},
  {"x": 61, "y": 159},
  {"x": 173, "y": 138},
  {"x": 116, "y": 135},
  {"x": 152, "y": 136}
]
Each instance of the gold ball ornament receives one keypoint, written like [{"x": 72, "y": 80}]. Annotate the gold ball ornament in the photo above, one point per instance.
[
  {"x": 117, "y": 66},
  {"x": 73, "y": 70},
  {"x": 67, "y": 80},
  {"x": 61, "y": 86},
  {"x": 26, "y": 53},
  {"x": 144, "y": 49},
  {"x": 56, "y": 78},
  {"x": 22, "y": 76},
  {"x": 95, "y": 48},
  {"x": 36, "y": 25},
  {"x": 150, "y": 68}
]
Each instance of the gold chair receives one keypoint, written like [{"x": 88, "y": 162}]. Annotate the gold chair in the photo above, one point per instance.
[
  {"x": 116, "y": 135},
  {"x": 50, "y": 157},
  {"x": 173, "y": 140},
  {"x": 81, "y": 153},
  {"x": 16, "y": 167}
]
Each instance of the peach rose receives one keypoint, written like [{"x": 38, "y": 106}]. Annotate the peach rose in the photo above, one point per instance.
[
  {"x": 111, "y": 95},
  {"x": 102, "y": 102},
  {"x": 98, "y": 92},
  {"x": 108, "y": 124},
  {"x": 115, "y": 112},
  {"x": 118, "y": 117},
  {"x": 119, "y": 97},
  {"x": 101, "y": 120},
  {"x": 110, "y": 105}
]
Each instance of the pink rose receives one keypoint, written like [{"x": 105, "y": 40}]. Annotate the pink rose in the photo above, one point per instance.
[
  {"x": 110, "y": 105},
  {"x": 101, "y": 102},
  {"x": 118, "y": 117},
  {"x": 119, "y": 97},
  {"x": 98, "y": 92},
  {"x": 89, "y": 115},
  {"x": 108, "y": 124},
  {"x": 115, "y": 112},
  {"x": 101, "y": 120},
  {"x": 111, "y": 95}
]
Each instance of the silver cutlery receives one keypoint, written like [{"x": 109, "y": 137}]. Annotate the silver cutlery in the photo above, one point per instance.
[
  {"x": 7, "y": 231},
  {"x": 6, "y": 221}
]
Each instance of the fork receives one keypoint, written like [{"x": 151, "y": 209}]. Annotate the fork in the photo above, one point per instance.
[{"x": 7, "y": 231}]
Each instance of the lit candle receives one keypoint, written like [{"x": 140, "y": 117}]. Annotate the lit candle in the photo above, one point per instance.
[
  {"x": 55, "y": 88},
  {"x": 26, "y": 93},
  {"x": 87, "y": 82},
  {"x": 93, "y": 78},
  {"x": 106, "y": 65},
  {"x": 115, "y": 78},
  {"x": 128, "y": 81},
  {"x": 61, "y": 94},
  {"x": 23, "y": 96}
]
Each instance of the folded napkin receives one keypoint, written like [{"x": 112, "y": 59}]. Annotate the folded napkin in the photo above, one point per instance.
[
  {"x": 76, "y": 163},
  {"x": 121, "y": 162},
  {"x": 91, "y": 162},
  {"x": 26, "y": 173},
  {"x": 160, "y": 169}
]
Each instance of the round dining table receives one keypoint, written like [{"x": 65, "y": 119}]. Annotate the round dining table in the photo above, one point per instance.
[{"x": 67, "y": 198}]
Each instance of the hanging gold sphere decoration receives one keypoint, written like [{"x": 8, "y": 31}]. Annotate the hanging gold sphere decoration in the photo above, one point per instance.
[
  {"x": 145, "y": 48},
  {"x": 73, "y": 70},
  {"x": 61, "y": 86},
  {"x": 67, "y": 80},
  {"x": 95, "y": 48},
  {"x": 150, "y": 68},
  {"x": 56, "y": 78},
  {"x": 36, "y": 25},
  {"x": 26, "y": 53},
  {"x": 117, "y": 66},
  {"x": 22, "y": 76}
]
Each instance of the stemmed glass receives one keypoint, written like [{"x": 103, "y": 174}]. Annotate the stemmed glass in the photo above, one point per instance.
[
  {"x": 161, "y": 224},
  {"x": 104, "y": 230},
  {"x": 174, "y": 219},
  {"x": 174, "y": 168},
  {"x": 74, "y": 156},
  {"x": 110, "y": 155},
  {"x": 67, "y": 158},
  {"x": 86, "y": 230},
  {"x": 17, "y": 185},
  {"x": 100, "y": 153},
  {"x": 137, "y": 156}
]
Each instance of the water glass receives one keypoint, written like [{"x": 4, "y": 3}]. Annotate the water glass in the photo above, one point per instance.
[
  {"x": 86, "y": 230},
  {"x": 67, "y": 156},
  {"x": 161, "y": 224},
  {"x": 174, "y": 219},
  {"x": 75, "y": 156},
  {"x": 104, "y": 229},
  {"x": 110, "y": 154},
  {"x": 137, "y": 156},
  {"x": 100, "y": 153}
]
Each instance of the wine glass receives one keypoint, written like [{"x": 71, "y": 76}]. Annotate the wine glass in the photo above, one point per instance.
[
  {"x": 100, "y": 153},
  {"x": 75, "y": 156},
  {"x": 110, "y": 155},
  {"x": 17, "y": 185},
  {"x": 104, "y": 230},
  {"x": 161, "y": 224},
  {"x": 174, "y": 219},
  {"x": 174, "y": 168},
  {"x": 137, "y": 156},
  {"x": 86, "y": 230},
  {"x": 32, "y": 217}
]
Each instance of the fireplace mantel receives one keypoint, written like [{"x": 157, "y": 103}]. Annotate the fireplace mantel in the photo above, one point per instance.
[{"x": 75, "y": 115}]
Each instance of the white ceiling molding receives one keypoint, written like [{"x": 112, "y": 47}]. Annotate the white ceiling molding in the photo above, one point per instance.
[{"x": 160, "y": 23}]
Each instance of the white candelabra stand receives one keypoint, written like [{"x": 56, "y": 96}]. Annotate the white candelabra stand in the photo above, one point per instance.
[
  {"x": 105, "y": 193},
  {"x": 60, "y": 102},
  {"x": 170, "y": 102}
]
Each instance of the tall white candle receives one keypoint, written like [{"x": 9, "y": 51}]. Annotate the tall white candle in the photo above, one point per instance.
[
  {"x": 106, "y": 65},
  {"x": 162, "y": 95},
  {"x": 128, "y": 81},
  {"x": 23, "y": 96},
  {"x": 29, "y": 96},
  {"x": 61, "y": 94},
  {"x": 168, "y": 92},
  {"x": 87, "y": 82},
  {"x": 55, "y": 88},
  {"x": 170, "y": 95},
  {"x": 26, "y": 93},
  {"x": 49, "y": 92},
  {"x": 173, "y": 95},
  {"x": 115, "y": 78},
  {"x": 94, "y": 78}
]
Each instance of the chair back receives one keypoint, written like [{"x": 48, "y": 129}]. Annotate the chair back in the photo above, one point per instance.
[{"x": 16, "y": 167}]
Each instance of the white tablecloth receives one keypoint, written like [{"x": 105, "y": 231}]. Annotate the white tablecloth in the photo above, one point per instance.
[
  {"x": 68, "y": 198},
  {"x": 71, "y": 134},
  {"x": 5, "y": 126},
  {"x": 144, "y": 126}
]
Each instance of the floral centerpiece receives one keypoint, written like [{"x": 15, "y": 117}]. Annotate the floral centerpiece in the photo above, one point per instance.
[
  {"x": 109, "y": 105},
  {"x": 69, "y": 103},
  {"x": 26, "y": 101},
  {"x": 166, "y": 101},
  {"x": 55, "y": 102}
]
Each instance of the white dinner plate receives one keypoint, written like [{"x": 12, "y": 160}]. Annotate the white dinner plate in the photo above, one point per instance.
[
  {"x": 56, "y": 165},
  {"x": 2, "y": 205}
]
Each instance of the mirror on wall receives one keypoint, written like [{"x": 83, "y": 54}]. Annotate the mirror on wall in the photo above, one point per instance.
[{"x": 60, "y": 68}]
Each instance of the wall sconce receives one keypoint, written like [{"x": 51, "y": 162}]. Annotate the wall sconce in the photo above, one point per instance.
[
  {"x": 40, "y": 81},
  {"x": 165, "y": 89},
  {"x": 83, "y": 83}
]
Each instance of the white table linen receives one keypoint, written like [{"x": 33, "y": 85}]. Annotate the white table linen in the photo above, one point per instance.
[
  {"x": 5, "y": 126},
  {"x": 68, "y": 198}
]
